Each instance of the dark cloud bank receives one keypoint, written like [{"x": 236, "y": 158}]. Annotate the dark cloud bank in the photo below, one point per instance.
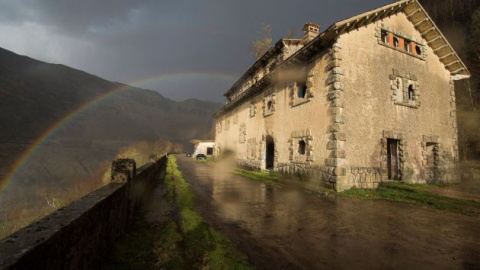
[{"x": 128, "y": 41}]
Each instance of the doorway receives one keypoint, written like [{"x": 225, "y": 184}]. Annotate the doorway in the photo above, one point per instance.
[
  {"x": 430, "y": 157},
  {"x": 270, "y": 153},
  {"x": 393, "y": 160}
]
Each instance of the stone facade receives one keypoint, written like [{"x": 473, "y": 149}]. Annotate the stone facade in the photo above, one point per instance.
[{"x": 362, "y": 103}]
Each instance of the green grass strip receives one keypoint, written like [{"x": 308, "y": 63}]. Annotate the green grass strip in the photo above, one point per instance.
[
  {"x": 267, "y": 177},
  {"x": 416, "y": 194},
  {"x": 203, "y": 247}
]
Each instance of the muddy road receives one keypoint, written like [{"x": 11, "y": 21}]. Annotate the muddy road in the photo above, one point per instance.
[{"x": 287, "y": 228}]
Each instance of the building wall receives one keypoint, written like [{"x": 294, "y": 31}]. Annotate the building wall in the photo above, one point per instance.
[
  {"x": 371, "y": 115},
  {"x": 290, "y": 122},
  {"x": 201, "y": 148},
  {"x": 353, "y": 112}
]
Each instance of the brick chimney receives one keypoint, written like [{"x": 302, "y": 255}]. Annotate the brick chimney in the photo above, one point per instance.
[{"x": 310, "y": 31}]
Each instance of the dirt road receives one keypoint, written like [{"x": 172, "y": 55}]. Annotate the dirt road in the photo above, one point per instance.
[{"x": 286, "y": 228}]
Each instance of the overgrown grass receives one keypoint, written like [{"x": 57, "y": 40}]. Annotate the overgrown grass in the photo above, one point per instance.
[
  {"x": 415, "y": 194},
  {"x": 268, "y": 177}
]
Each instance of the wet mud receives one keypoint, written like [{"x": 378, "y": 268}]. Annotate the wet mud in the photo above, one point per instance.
[{"x": 287, "y": 228}]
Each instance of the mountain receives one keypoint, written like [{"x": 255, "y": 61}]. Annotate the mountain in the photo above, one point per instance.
[{"x": 99, "y": 117}]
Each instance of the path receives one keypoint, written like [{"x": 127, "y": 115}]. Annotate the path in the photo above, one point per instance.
[{"x": 285, "y": 228}]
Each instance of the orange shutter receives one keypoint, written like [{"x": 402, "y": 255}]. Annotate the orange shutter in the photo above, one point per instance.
[
  {"x": 401, "y": 43},
  {"x": 412, "y": 47},
  {"x": 390, "y": 39}
]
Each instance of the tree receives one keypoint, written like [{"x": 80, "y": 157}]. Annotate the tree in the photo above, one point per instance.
[
  {"x": 291, "y": 33},
  {"x": 264, "y": 42}
]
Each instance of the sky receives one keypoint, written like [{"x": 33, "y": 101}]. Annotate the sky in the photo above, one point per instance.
[{"x": 182, "y": 49}]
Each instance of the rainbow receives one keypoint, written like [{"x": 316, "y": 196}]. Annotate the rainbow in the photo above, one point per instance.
[{"x": 27, "y": 154}]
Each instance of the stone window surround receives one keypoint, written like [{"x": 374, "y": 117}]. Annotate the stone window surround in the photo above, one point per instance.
[
  {"x": 227, "y": 124},
  {"x": 401, "y": 152},
  {"x": 235, "y": 118},
  {"x": 267, "y": 98},
  {"x": 293, "y": 90},
  {"x": 407, "y": 80},
  {"x": 242, "y": 136},
  {"x": 378, "y": 33},
  {"x": 253, "y": 110},
  {"x": 251, "y": 148},
  {"x": 295, "y": 137}
]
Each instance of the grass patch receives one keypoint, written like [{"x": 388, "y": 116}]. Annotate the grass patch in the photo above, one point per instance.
[
  {"x": 187, "y": 243},
  {"x": 415, "y": 194},
  {"x": 268, "y": 177},
  {"x": 147, "y": 247},
  {"x": 203, "y": 248}
]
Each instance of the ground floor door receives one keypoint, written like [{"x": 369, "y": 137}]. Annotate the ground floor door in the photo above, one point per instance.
[
  {"x": 393, "y": 160},
  {"x": 270, "y": 153}
]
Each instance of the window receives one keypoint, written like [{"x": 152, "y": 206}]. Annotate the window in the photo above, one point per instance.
[
  {"x": 242, "y": 134},
  {"x": 384, "y": 37},
  {"x": 418, "y": 50},
  {"x": 269, "y": 105},
  {"x": 399, "y": 41},
  {"x": 253, "y": 110},
  {"x": 411, "y": 93},
  {"x": 405, "y": 88},
  {"x": 396, "y": 43},
  {"x": 301, "y": 147},
  {"x": 301, "y": 90},
  {"x": 407, "y": 45}
]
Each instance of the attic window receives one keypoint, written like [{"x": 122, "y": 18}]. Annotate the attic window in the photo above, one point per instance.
[
  {"x": 384, "y": 37},
  {"x": 399, "y": 42},
  {"x": 407, "y": 45},
  {"x": 418, "y": 50},
  {"x": 301, "y": 89},
  {"x": 396, "y": 43},
  {"x": 269, "y": 105}
]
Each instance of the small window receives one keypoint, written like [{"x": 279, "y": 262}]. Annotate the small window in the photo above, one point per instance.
[
  {"x": 396, "y": 42},
  {"x": 301, "y": 90},
  {"x": 407, "y": 45},
  {"x": 270, "y": 105},
  {"x": 301, "y": 147},
  {"x": 384, "y": 37},
  {"x": 418, "y": 50},
  {"x": 411, "y": 92}
]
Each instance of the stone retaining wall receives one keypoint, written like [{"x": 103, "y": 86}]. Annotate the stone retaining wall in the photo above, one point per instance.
[{"x": 81, "y": 235}]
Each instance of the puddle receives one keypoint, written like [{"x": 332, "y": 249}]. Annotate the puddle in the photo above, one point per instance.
[{"x": 286, "y": 228}]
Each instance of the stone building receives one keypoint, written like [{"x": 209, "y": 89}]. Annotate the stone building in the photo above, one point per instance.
[
  {"x": 370, "y": 99},
  {"x": 203, "y": 147}
]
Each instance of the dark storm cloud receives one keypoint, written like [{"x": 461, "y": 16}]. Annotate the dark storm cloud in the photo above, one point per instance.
[{"x": 127, "y": 41}]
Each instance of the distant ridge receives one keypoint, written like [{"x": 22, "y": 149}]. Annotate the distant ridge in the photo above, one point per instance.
[{"x": 35, "y": 95}]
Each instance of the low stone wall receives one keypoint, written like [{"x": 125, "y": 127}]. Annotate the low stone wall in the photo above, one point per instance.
[
  {"x": 314, "y": 176},
  {"x": 81, "y": 235}
]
